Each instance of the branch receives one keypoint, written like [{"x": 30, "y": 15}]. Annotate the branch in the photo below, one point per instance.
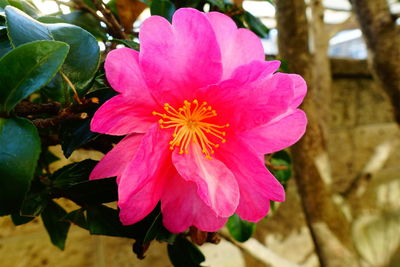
[
  {"x": 26, "y": 108},
  {"x": 115, "y": 27}
]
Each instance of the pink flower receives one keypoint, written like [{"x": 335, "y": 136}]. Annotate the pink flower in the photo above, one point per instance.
[{"x": 200, "y": 107}]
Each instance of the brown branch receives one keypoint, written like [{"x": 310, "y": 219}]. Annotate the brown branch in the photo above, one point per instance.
[
  {"x": 26, "y": 108},
  {"x": 322, "y": 215},
  {"x": 65, "y": 115},
  {"x": 383, "y": 41},
  {"x": 115, "y": 27},
  {"x": 82, "y": 6}
]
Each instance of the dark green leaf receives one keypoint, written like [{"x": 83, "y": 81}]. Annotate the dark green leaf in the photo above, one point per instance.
[
  {"x": 218, "y": 3},
  {"x": 73, "y": 174},
  {"x": 164, "y": 8},
  {"x": 56, "y": 227},
  {"x": 184, "y": 254},
  {"x": 158, "y": 231},
  {"x": 19, "y": 152},
  {"x": 5, "y": 45},
  {"x": 102, "y": 220},
  {"x": 77, "y": 217},
  {"x": 84, "y": 56},
  {"x": 72, "y": 181},
  {"x": 77, "y": 133},
  {"x": 35, "y": 200},
  {"x": 27, "y": 68},
  {"x": 20, "y": 220},
  {"x": 86, "y": 21},
  {"x": 281, "y": 166},
  {"x": 239, "y": 229},
  {"x": 255, "y": 25},
  {"x": 128, "y": 43},
  {"x": 93, "y": 192}
]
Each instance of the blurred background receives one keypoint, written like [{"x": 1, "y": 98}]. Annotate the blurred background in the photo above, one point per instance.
[{"x": 342, "y": 206}]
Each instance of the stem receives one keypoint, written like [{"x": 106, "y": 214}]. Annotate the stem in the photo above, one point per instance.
[{"x": 76, "y": 96}]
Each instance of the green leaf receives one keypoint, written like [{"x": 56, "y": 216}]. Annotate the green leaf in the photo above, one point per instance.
[
  {"x": 5, "y": 45},
  {"x": 20, "y": 220},
  {"x": 255, "y": 25},
  {"x": 86, "y": 21},
  {"x": 19, "y": 152},
  {"x": 56, "y": 227},
  {"x": 164, "y": 8},
  {"x": 35, "y": 200},
  {"x": 27, "y": 68},
  {"x": 102, "y": 220},
  {"x": 184, "y": 254},
  {"x": 218, "y": 3},
  {"x": 77, "y": 133},
  {"x": 72, "y": 181},
  {"x": 112, "y": 5},
  {"x": 77, "y": 217},
  {"x": 239, "y": 229},
  {"x": 72, "y": 174},
  {"x": 26, "y": 6},
  {"x": 84, "y": 56},
  {"x": 281, "y": 166},
  {"x": 128, "y": 43},
  {"x": 158, "y": 231}
]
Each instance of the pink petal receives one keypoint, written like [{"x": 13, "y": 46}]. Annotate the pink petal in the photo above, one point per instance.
[
  {"x": 238, "y": 46},
  {"x": 257, "y": 185},
  {"x": 152, "y": 159},
  {"x": 216, "y": 185},
  {"x": 115, "y": 161},
  {"x": 300, "y": 89},
  {"x": 277, "y": 135},
  {"x": 181, "y": 207},
  {"x": 179, "y": 59},
  {"x": 123, "y": 72},
  {"x": 134, "y": 206},
  {"x": 123, "y": 115},
  {"x": 254, "y": 96}
]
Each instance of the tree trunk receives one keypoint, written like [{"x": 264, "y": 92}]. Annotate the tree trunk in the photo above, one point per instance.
[
  {"x": 329, "y": 228},
  {"x": 383, "y": 41}
]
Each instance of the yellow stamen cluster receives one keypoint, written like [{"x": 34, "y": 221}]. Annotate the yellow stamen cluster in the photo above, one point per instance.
[{"x": 190, "y": 126}]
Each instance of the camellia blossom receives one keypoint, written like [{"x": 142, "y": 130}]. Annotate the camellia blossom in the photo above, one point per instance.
[{"x": 200, "y": 107}]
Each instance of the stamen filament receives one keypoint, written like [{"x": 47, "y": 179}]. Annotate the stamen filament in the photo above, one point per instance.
[{"x": 190, "y": 127}]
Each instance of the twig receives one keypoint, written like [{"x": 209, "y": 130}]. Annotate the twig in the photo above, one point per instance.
[
  {"x": 81, "y": 5},
  {"x": 109, "y": 16},
  {"x": 71, "y": 85},
  {"x": 26, "y": 108},
  {"x": 65, "y": 115}
]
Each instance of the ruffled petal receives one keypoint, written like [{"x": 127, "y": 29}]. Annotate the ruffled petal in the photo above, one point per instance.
[
  {"x": 134, "y": 206},
  {"x": 277, "y": 135},
  {"x": 115, "y": 161},
  {"x": 252, "y": 97},
  {"x": 123, "y": 115},
  {"x": 238, "y": 46},
  {"x": 123, "y": 72},
  {"x": 216, "y": 185},
  {"x": 300, "y": 90},
  {"x": 178, "y": 59},
  {"x": 257, "y": 185},
  {"x": 152, "y": 159},
  {"x": 181, "y": 208}
]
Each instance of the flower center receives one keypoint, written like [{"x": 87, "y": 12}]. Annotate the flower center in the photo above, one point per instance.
[{"x": 190, "y": 126}]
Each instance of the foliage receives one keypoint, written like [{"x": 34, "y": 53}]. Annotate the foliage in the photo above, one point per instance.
[{"x": 51, "y": 83}]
